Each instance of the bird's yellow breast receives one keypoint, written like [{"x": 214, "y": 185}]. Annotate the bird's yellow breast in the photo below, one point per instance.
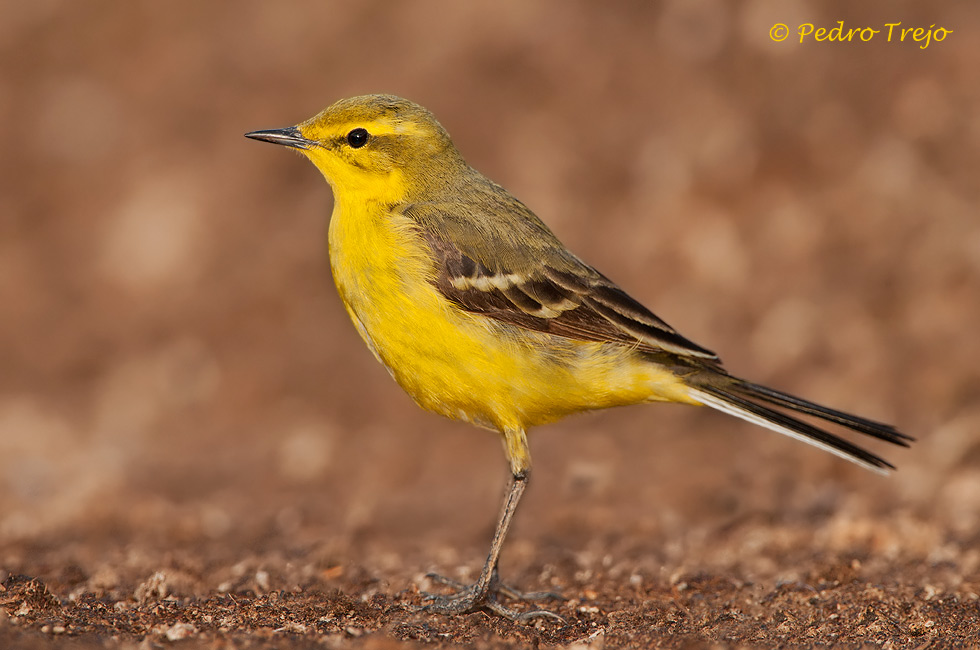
[{"x": 463, "y": 365}]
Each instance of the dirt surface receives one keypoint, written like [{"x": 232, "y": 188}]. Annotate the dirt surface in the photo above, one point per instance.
[{"x": 197, "y": 450}]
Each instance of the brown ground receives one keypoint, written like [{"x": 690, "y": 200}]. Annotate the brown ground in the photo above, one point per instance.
[{"x": 195, "y": 445}]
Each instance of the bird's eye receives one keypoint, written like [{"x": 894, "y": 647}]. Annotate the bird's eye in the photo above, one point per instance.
[{"x": 357, "y": 138}]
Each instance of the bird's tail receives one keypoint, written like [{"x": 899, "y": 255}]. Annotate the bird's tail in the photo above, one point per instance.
[{"x": 755, "y": 403}]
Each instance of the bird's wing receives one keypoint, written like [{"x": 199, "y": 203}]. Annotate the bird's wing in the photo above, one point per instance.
[{"x": 511, "y": 267}]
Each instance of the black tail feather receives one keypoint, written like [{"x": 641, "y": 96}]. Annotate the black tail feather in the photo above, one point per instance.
[
  {"x": 878, "y": 430},
  {"x": 742, "y": 399}
]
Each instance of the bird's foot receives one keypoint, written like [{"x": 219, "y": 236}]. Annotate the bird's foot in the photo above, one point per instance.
[{"x": 484, "y": 595}]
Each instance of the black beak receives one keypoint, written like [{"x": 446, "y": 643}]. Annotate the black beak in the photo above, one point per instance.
[{"x": 288, "y": 137}]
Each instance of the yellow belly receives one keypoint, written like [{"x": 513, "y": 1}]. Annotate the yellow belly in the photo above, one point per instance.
[{"x": 466, "y": 366}]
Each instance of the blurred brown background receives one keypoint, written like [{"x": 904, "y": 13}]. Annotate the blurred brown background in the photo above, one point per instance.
[{"x": 176, "y": 371}]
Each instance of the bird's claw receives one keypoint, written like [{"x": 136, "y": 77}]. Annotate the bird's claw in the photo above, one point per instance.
[{"x": 471, "y": 598}]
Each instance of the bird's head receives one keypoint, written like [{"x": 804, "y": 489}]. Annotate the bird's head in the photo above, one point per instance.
[{"x": 379, "y": 147}]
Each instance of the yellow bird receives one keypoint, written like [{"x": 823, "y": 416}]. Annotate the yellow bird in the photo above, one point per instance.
[{"x": 481, "y": 314}]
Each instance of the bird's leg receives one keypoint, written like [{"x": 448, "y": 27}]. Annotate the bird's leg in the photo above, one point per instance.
[{"x": 483, "y": 594}]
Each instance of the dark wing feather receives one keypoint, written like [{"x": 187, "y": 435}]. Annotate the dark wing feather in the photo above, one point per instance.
[{"x": 541, "y": 287}]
